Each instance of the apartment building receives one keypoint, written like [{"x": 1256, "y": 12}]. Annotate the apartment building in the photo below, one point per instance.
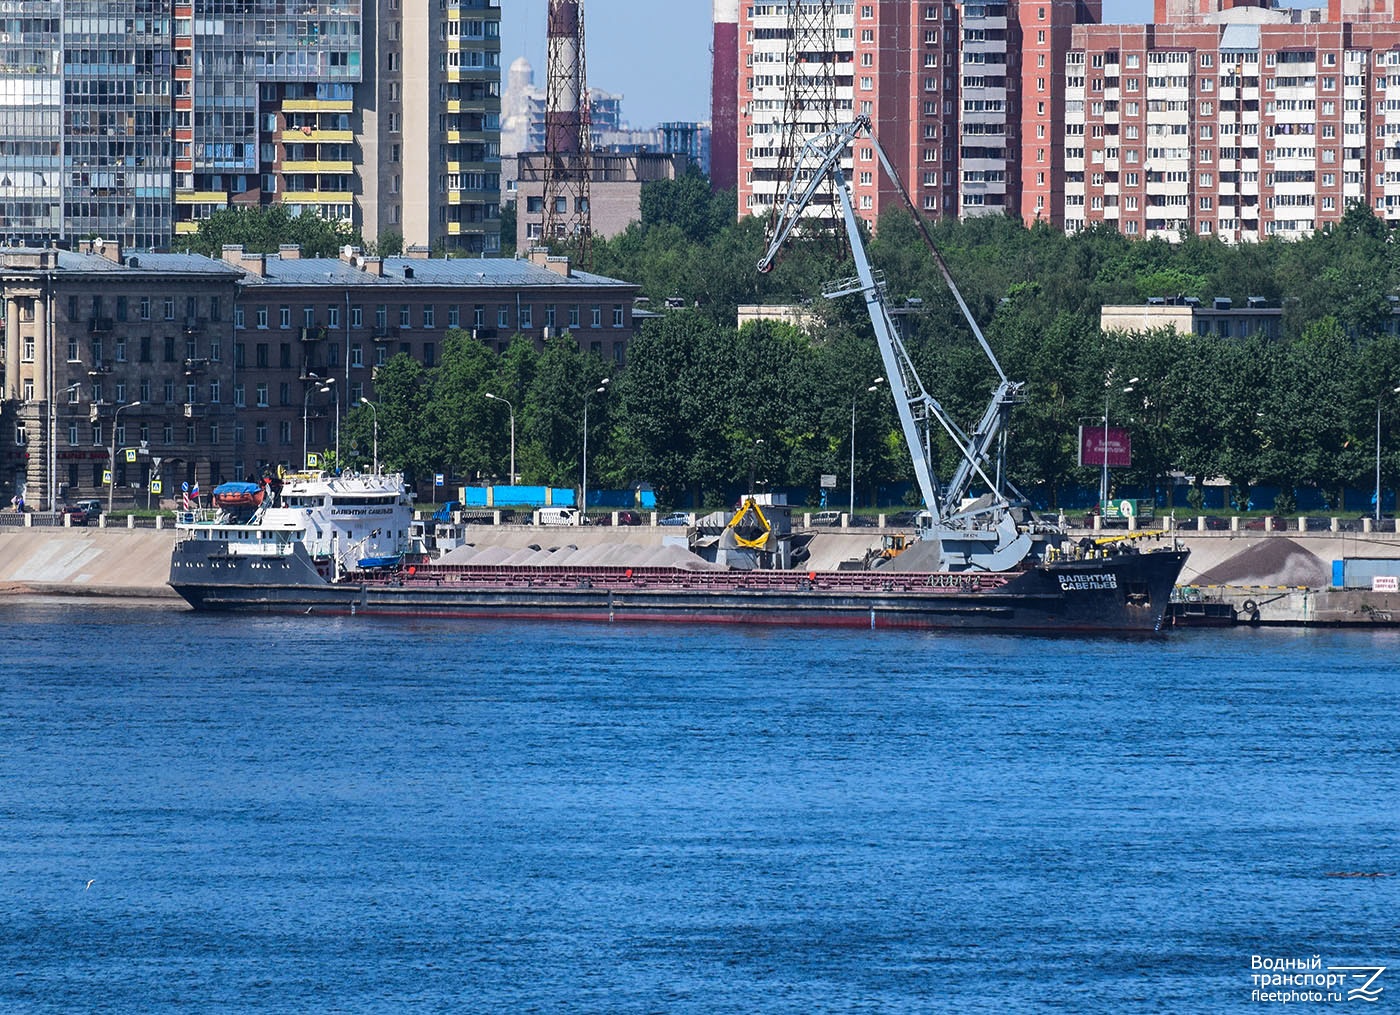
[
  {"x": 1242, "y": 122},
  {"x": 225, "y": 367},
  {"x": 136, "y": 119},
  {"x": 936, "y": 79}
]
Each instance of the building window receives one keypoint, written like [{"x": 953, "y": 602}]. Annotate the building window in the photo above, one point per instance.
[
  {"x": 429, "y": 317},
  {"x": 262, "y": 394},
  {"x": 261, "y": 317},
  {"x": 527, "y": 316},
  {"x": 284, "y": 317},
  {"x": 596, "y": 319},
  {"x": 357, "y": 355},
  {"x": 617, "y": 315}
]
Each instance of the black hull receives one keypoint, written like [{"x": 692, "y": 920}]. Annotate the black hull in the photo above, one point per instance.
[{"x": 1125, "y": 593}]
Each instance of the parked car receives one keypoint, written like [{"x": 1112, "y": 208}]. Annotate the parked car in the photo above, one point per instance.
[
  {"x": 828, "y": 519},
  {"x": 675, "y": 518},
  {"x": 629, "y": 518},
  {"x": 74, "y": 514},
  {"x": 93, "y": 508},
  {"x": 862, "y": 521}
]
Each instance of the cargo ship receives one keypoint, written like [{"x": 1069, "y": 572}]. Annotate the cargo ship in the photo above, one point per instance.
[
  {"x": 344, "y": 545},
  {"x": 982, "y": 560}
]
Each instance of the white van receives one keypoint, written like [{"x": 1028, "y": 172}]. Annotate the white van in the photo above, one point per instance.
[
  {"x": 556, "y": 516},
  {"x": 826, "y": 519}
]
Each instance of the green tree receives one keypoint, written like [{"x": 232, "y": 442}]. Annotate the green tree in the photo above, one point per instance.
[{"x": 263, "y": 230}]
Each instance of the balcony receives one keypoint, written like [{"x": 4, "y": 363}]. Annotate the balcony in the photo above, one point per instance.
[
  {"x": 313, "y": 334},
  {"x": 195, "y": 366},
  {"x": 194, "y": 410},
  {"x": 193, "y": 325},
  {"x": 99, "y": 325},
  {"x": 100, "y": 368}
]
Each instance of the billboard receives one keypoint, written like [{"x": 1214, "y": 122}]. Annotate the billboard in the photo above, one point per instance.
[{"x": 1093, "y": 448}]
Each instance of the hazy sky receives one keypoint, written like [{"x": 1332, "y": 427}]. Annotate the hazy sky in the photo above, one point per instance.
[{"x": 656, "y": 53}]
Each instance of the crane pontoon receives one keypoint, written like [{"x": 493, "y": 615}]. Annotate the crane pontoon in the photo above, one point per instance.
[{"x": 989, "y": 532}]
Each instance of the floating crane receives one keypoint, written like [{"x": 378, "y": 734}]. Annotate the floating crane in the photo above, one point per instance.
[{"x": 988, "y": 533}]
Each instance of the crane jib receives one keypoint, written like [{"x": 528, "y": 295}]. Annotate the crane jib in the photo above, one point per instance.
[{"x": 978, "y": 536}]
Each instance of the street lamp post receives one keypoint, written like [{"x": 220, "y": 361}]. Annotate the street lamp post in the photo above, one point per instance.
[
  {"x": 583, "y": 502},
  {"x": 1393, "y": 391},
  {"x": 498, "y": 398},
  {"x": 1103, "y": 481},
  {"x": 372, "y": 409},
  {"x": 753, "y": 457},
  {"x": 873, "y": 385},
  {"x": 112, "y": 454},
  {"x": 305, "y": 406}
]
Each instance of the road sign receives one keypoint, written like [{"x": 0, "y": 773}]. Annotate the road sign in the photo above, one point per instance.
[
  {"x": 829, "y": 480},
  {"x": 156, "y": 486},
  {"x": 106, "y": 477},
  {"x": 439, "y": 479},
  {"x": 130, "y": 454}
]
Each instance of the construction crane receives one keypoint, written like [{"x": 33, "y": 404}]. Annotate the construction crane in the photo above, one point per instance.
[{"x": 985, "y": 533}]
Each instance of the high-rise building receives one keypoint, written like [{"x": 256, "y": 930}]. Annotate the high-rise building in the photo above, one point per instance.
[
  {"x": 135, "y": 119},
  {"x": 892, "y": 60},
  {"x": 1238, "y": 121},
  {"x": 724, "y": 95},
  {"x": 1231, "y": 118}
]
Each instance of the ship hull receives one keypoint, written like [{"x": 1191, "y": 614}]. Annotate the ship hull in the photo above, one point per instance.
[{"x": 1124, "y": 593}]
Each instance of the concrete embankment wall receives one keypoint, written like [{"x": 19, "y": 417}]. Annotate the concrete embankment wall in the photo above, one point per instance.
[{"x": 89, "y": 561}]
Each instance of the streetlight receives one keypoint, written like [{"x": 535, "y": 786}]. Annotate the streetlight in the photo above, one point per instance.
[
  {"x": 1393, "y": 391},
  {"x": 873, "y": 385},
  {"x": 53, "y": 451},
  {"x": 112, "y": 454},
  {"x": 305, "y": 405},
  {"x": 753, "y": 454},
  {"x": 498, "y": 398},
  {"x": 372, "y": 409},
  {"x": 1103, "y": 482},
  {"x": 599, "y": 390}
]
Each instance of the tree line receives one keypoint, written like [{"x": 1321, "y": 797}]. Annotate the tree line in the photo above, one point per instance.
[{"x": 703, "y": 407}]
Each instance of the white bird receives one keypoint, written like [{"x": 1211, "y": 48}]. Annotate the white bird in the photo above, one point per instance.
[{"x": 89, "y": 884}]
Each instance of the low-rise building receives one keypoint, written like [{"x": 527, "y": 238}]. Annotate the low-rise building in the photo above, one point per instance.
[
  {"x": 1190, "y": 316},
  {"x": 207, "y": 370}
]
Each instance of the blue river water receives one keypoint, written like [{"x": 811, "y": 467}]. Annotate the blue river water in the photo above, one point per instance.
[{"x": 212, "y": 813}]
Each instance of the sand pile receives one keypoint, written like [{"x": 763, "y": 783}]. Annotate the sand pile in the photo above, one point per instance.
[{"x": 1275, "y": 561}]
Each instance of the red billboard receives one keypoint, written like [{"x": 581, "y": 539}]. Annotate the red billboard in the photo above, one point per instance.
[{"x": 1093, "y": 448}]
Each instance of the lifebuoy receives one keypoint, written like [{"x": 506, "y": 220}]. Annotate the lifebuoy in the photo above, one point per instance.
[{"x": 1249, "y": 606}]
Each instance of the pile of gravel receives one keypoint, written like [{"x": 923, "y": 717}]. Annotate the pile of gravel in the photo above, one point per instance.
[{"x": 1275, "y": 561}]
